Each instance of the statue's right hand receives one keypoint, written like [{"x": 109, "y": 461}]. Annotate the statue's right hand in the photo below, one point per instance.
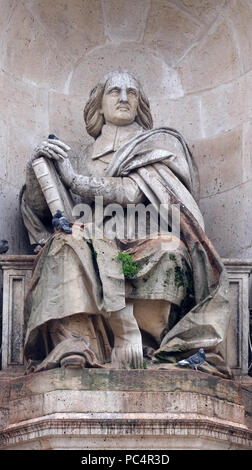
[{"x": 52, "y": 149}]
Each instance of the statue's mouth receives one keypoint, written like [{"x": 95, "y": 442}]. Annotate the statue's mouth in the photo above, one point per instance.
[{"x": 123, "y": 108}]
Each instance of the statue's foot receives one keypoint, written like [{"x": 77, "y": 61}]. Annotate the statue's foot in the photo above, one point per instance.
[
  {"x": 129, "y": 356},
  {"x": 128, "y": 350},
  {"x": 74, "y": 361}
]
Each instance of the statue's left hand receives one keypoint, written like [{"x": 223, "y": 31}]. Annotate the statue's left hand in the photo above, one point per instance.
[
  {"x": 52, "y": 149},
  {"x": 57, "y": 150}
]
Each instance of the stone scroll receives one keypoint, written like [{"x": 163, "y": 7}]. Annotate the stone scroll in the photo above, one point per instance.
[{"x": 56, "y": 197}]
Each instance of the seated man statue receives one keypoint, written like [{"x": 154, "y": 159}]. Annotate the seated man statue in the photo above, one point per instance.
[{"x": 84, "y": 308}]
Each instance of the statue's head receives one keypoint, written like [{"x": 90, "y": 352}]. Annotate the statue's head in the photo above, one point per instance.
[{"x": 117, "y": 99}]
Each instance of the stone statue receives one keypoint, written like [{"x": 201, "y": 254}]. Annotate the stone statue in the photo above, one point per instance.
[{"x": 82, "y": 308}]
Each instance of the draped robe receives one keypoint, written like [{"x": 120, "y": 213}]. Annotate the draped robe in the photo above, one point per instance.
[{"x": 151, "y": 167}]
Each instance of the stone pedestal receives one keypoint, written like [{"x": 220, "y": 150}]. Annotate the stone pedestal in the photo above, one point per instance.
[{"x": 115, "y": 409}]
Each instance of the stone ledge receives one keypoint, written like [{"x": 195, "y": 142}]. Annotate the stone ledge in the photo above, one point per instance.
[
  {"x": 173, "y": 404},
  {"x": 17, "y": 261},
  {"x": 160, "y": 380},
  {"x": 128, "y": 433}
]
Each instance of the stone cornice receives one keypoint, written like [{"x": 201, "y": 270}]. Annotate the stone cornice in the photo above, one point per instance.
[
  {"x": 17, "y": 261},
  {"x": 182, "y": 429}
]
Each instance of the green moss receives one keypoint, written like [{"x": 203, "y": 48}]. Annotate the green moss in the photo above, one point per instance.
[
  {"x": 179, "y": 277},
  {"x": 167, "y": 277},
  {"x": 189, "y": 300},
  {"x": 129, "y": 267},
  {"x": 144, "y": 365},
  {"x": 183, "y": 276}
]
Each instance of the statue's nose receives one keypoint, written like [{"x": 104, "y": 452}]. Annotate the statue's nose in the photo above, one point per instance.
[{"x": 123, "y": 96}]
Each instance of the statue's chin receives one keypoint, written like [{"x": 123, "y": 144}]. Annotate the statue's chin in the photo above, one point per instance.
[{"x": 123, "y": 119}]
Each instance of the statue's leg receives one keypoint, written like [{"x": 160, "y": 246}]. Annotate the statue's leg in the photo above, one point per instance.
[
  {"x": 152, "y": 316},
  {"x": 127, "y": 352}
]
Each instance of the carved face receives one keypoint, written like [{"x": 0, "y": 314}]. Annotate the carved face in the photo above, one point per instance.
[{"x": 120, "y": 100}]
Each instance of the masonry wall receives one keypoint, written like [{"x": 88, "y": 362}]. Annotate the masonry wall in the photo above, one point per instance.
[{"x": 194, "y": 58}]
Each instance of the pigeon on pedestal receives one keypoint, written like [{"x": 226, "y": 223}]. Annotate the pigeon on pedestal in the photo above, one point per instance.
[
  {"x": 60, "y": 222},
  {"x": 194, "y": 361}
]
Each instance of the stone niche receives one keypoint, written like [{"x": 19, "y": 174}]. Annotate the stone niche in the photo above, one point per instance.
[{"x": 194, "y": 60}]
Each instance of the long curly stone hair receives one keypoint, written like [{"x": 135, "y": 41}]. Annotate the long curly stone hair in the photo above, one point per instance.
[{"x": 94, "y": 120}]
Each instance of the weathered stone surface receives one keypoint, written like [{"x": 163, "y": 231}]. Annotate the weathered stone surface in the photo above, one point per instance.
[
  {"x": 183, "y": 114},
  {"x": 247, "y": 150},
  {"x": 203, "y": 10},
  {"x": 212, "y": 61},
  {"x": 248, "y": 100},
  {"x": 246, "y": 385},
  {"x": 236, "y": 349},
  {"x": 141, "y": 60},
  {"x": 228, "y": 221},
  {"x": 17, "y": 272},
  {"x": 219, "y": 157},
  {"x": 239, "y": 13},
  {"x": 125, "y": 21},
  {"x": 25, "y": 109},
  {"x": 74, "y": 26},
  {"x": 96, "y": 404},
  {"x": 3, "y": 150},
  {"x": 7, "y": 9},
  {"x": 23, "y": 122},
  {"x": 30, "y": 54},
  {"x": 12, "y": 229},
  {"x": 66, "y": 117},
  {"x": 173, "y": 404},
  {"x": 131, "y": 433},
  {"x": 170, "y": 30},
  {"x": 124, "y": 380},
  {"x": 224, "y": 107}
]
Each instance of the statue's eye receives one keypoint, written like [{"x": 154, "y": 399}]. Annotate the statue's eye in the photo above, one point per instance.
[
  {"x": 131, "y": 91},
  {"x": 114, "y": 91}
]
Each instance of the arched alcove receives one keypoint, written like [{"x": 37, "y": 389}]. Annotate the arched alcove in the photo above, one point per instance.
[{"x": 194, "y": 59}]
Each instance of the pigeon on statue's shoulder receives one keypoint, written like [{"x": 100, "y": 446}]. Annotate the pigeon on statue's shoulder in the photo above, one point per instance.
[
  {"x": 195, "y": 360},
  {"x": 60, "y": 222}
]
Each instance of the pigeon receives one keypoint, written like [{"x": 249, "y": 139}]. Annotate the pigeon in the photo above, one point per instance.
[
  {"x": 60, "y": 222},
  {"x": 52, "y": 136},
  {"x": 195, "y": 360},
  {"x": 3, "y": 246}
]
